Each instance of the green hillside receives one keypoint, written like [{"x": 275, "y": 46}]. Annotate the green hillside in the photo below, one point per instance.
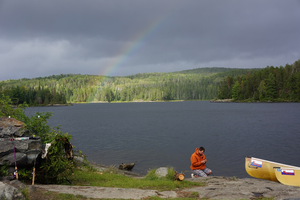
[{"x": 194, "y": 84}]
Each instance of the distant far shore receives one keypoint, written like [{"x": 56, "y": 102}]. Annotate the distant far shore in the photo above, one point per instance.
[
  {"x": 134, "y": 101},
  {"x": 51, "y": 105},
  {"x": 245, "y": 101},
  {"x": 221, "y": 100},
  {"x": 143, "y": 101},
  {"x": 66, "y": 104}
]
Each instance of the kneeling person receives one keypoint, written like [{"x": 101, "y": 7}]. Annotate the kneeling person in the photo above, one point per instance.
[{"x": 198, "y": 161}]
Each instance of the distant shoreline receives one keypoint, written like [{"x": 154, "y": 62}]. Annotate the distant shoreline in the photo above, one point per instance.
[
  {"x": 143, "y": 101},
  {"x": 49, "y": 105},
  {"x": 237, "y": 101},
  {"x": 135, "y": 101},
  {"x": 221, "y": 101}
]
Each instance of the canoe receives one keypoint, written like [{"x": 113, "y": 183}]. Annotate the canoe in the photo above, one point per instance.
[
  {"x": 288, "y": 176},
  {"x": 264, "y": 169}
]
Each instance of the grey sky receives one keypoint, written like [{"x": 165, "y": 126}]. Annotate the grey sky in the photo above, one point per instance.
[{"x": 124, "y": 37}]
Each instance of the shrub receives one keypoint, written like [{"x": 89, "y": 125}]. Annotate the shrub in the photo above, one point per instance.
[{"x": 58, "y": 166}]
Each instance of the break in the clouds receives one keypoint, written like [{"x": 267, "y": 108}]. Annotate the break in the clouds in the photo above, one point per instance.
[{"x": 116, "y": 38}]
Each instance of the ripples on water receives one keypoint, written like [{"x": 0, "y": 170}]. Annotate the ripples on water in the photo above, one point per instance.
[{"x": 167, "y": 133}]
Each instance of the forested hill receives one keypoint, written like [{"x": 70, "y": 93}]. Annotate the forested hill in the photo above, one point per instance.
[
  {"x": 195, "y": 84},
  {"x": 277, "y": 84}
]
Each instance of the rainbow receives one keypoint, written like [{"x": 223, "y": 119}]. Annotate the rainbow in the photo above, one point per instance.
[
  {"x": 130, "y": 48},
  {"x": 135, "y": 43}
]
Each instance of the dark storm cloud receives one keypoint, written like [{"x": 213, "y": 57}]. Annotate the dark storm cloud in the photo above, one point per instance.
[{"x": 41, "y": 38}]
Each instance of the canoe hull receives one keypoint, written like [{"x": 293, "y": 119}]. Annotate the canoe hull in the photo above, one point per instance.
[
  {"x": 288, "y": 176},
  {"x": 263, "y": 169}
]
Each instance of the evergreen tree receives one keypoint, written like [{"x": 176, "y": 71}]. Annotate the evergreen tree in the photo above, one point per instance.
[
  {"x": 271, "y": 92},
  {"x": 236, "y": 90}
]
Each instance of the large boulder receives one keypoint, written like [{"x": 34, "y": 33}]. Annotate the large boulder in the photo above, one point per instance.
[
  {"x": 9, "y": 192},
  {"x": 14, "y": 148},
  {"x": 24, "y": 152},
  {"x": 161, "y": 172}
]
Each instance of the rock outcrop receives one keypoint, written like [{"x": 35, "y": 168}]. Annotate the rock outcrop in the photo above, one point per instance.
[
  {"x": 217, "y": 187},
  {"x": 10, "y": 127},
  {"x": 24, "y": 152},
  {"x": 16, "y": 148}
]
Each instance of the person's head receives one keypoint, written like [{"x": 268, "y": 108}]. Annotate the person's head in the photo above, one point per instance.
[{"x": 201, "y": 150}]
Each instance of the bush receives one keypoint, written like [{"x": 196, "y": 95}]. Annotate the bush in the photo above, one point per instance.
[
  {"x": 6, "y": 109},
  {"x": 4, "y": 170},
  {"x": 58, "y": 165}
]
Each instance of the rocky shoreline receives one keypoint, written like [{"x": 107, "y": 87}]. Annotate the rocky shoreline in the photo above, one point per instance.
[
  {"x": 219, "y": 187},
  {"x": 246, "y": 188},
  {"x": 215, "y": 187}
]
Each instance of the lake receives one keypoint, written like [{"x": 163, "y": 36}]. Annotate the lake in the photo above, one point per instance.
[{"x": 158, "y": 134}]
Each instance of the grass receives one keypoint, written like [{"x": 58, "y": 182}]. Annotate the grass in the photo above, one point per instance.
[
  {"x": 89, "y": 176},
  {"x": 57, "y": 196},
  {"x": 110, "y": 178},
  {"x": 70, "y": 197}
]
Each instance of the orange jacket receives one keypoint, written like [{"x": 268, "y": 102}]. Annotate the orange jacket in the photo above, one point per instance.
[{"x": 196, "y": 160}]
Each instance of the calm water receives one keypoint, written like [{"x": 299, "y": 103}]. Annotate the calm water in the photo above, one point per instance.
[{"x": 167, "y": 133}]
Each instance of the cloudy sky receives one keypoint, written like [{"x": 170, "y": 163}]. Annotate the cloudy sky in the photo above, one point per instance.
[{"x": 125, "y": 37}]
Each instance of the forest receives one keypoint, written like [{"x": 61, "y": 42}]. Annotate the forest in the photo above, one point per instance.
[{"x": 270, "y": 83}]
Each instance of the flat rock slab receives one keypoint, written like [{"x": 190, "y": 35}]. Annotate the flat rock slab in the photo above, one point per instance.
[
  {"x": 100, "y": 192},
  {"x": 215, "y": 187},
  {"x": 247, "y": 188},
  {"x": 10, "y": 127}
]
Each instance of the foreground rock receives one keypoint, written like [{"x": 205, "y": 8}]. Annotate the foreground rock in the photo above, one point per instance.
[
  {"x": 100, "y": 192},
  {"x": 214, "y": 188},
  {"x": 25, "y": 154},
  {"x": 9, "y": 192},
  {"x": 248, "y": 188},
  {"x": 10, "y": 127},
  {"x": 23, "y": 151}
]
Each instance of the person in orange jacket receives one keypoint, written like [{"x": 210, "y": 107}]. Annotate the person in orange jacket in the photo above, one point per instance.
[{"x": 198, "y": 161}]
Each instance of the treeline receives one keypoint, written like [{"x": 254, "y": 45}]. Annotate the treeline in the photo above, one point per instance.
[
  {"x": 269, "y": 84},
  {"x": 41, "y": 96},
  {"x": 196, "y": 84}
]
